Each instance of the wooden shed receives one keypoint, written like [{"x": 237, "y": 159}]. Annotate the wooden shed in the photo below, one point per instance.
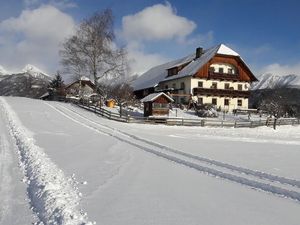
[
  {"x": 156, "y": 104},
  {"x": 110, "y": 103}
]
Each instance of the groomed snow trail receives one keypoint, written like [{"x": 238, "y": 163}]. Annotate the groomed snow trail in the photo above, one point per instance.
[
  {"x": 5, "y": 179},
  {"x": 280, "y": 186},
  {"x": 54, "y": 197}
]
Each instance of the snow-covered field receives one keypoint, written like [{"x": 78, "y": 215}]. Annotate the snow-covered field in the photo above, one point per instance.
[{"x": 60, "y": 164}]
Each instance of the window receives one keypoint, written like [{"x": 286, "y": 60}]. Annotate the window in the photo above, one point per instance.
[
  {"x": 226, "y": 86},
  {"x": 214, "y": 101},
  {"x": 182, "y": 85},
  {"x": 214, "y": 85},
  {"x": 230, "y": 71},
  {"x": 200, "y": 100},
  {"x": 172, "y": 71},
  {"x": 226, "y": 101},
  {"x": 240, "y": 102},
  {"x": 200, "y": 84},
  {"x": 221, "y": 70},
  {"x": 240, "y": 87}
]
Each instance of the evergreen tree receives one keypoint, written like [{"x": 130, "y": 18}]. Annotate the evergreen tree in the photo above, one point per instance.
[
  {"x": 57, "y": 82},
  {"x": 57, "y": 88}
]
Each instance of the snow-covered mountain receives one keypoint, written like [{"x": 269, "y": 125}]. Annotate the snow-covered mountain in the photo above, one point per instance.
[
  {"x": 271, "y": 81},
  {"x": 3, "y": 71},
  {"x": 35, "y": 72},
  {"x": 29, "y": 82},
  {"x": 29, "y": 69}
]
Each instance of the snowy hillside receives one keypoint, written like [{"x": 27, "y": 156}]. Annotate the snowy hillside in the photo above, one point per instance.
[
  {"x": 270, "y": 81},
  {"x": 3, "y": 71},
  {"x": 77, "y": 167}
]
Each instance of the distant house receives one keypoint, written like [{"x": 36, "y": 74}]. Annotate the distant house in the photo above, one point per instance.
[
  {"x": 82, "y": 88},
  {"x": 156, "y": 104},
  {"x": 217, "y": 76}
]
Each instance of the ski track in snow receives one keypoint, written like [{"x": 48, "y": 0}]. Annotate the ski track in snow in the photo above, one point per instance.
[
  {"x": 54, "y": 197},
  {"x": 247, "y": 177},
  {"x": 5, "y": 179}
]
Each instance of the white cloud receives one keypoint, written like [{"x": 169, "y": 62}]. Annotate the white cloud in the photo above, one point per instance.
[
  {"x": 34, "y": 37},
  {"x": 279, "y": 69},
  {"x": 140, "y": 61},
  {"x": 157, "y": 22}
]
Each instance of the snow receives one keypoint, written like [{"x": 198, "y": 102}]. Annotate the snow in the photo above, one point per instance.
[
  {"x": 224, "y": 50},
  {"x": 270, "y": 81},
  {"x": 159, "y": 73},
  {"x": 3, "y": 71},
  {"x": 152, "y": 97},
  {"x": 34, "y": 71},
  {"x": 51, "y": 194},
  {"x": 85, "y": 78},
  {"x": 156, "y": 74},
  {"x": 156, "y": 174}
]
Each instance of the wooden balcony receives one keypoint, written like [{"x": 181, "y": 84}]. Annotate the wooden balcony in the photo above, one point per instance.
[
  {"x": 223, "y": 76},
  {"x": 221, "y": 92}
]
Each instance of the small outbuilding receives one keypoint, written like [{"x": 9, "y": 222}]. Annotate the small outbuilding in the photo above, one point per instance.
[
  {"x": 110, "y": 103},
  {"x": 156, "y": 104}
]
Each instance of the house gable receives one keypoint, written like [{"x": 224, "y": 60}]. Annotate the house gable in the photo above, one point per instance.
[{"x": 243, "y": 72}]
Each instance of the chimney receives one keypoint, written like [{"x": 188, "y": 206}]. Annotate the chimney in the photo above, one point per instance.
[{"x": 199, "y": 52}]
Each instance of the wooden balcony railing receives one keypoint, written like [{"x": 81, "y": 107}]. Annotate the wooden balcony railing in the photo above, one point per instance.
[
  {"x": 221, "y": 92},
  {"x": 223, "y": 76}
]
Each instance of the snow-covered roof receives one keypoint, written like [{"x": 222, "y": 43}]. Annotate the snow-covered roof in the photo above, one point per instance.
[
  {"x": 85, "y": 78},
  {"x": 153, "y": 96},
  {"x": 159, "y": 73},
  {"x": 224, "y": 50},
  {"x": 156, "y": 74}
]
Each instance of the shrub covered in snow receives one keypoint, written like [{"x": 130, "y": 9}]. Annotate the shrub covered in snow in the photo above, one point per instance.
[{"x": 207, "y": 110}]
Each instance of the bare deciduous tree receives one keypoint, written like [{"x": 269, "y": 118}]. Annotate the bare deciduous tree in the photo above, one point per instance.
[{"x": 91, "y": 51}]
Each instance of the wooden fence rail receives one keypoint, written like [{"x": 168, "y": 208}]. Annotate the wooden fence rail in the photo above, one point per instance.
[{"x": 176, "y": 121}]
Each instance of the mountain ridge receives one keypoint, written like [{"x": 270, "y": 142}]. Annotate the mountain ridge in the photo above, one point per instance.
[
  {"x": 271, "y": 81},
  {"x": 29, "y": 82}
]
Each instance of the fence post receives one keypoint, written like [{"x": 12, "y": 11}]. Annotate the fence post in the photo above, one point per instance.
[
  {"x": 267, "y": 122},
  {"x": 202, "y": 123},
  {"x": 182, "y": 121},
  {"x": 274, "y": 125},
  {"x": 235, "y": 124}
]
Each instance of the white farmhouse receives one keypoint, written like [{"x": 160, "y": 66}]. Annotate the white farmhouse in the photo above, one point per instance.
[{"x": 217, "y": 76}]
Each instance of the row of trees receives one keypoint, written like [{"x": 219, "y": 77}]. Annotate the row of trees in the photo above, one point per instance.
[{"x": 278, "y": 102}]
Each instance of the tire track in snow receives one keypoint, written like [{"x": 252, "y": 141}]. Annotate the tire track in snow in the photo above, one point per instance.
[
  {"x": 53, "y": 197},
  {"x": 163, "y": 153},
  {"x": 254, "y": 173}
]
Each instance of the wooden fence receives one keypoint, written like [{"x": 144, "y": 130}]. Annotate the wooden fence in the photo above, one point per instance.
[{"x": 177, "y": 121}]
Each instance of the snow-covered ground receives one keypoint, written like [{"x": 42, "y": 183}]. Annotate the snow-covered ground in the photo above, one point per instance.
[
  {"x": 75, "y": 167},
  {"x": 190, "y": 114}
]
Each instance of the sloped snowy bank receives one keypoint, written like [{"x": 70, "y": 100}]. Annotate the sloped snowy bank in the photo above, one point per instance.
[{"x": 53, "y": 196}]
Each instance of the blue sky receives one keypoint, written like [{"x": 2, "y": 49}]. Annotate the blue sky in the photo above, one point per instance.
[{"x": 266, "y": 33}]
